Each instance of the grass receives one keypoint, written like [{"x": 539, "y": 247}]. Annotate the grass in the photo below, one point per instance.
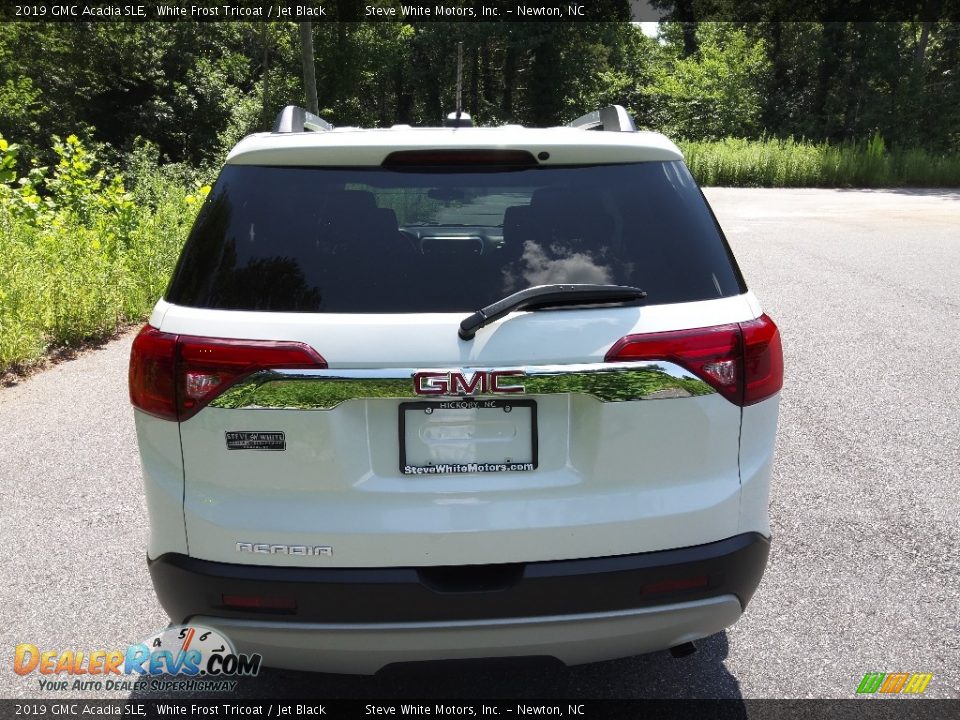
[
  {"x": 63, "y": 284},
  {"x": 792, "y": 163},
  {"x": 86, "y": 259}
]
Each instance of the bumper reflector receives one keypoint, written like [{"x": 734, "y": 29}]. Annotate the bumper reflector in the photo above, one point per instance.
[
  {"x": 665, "y": 586},
  {"x": 260, "y": 602}
]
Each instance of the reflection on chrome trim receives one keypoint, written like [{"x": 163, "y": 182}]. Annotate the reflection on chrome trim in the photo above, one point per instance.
[{"x": 325, "y": 389}]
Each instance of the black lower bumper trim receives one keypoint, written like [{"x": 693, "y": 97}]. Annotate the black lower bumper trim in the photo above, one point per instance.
[{"x": 188, "y": 587}]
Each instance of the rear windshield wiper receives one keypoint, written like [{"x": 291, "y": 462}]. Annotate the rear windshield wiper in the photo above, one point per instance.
[{"x": 543, "y": 296}]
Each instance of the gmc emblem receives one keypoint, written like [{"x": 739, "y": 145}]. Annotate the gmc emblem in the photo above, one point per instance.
[{"x": 457, "y": 383}]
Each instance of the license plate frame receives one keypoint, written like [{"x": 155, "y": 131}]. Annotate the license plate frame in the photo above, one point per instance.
[{"x": 471, "y": 404}]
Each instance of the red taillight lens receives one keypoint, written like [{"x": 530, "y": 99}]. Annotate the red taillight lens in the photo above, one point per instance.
[
  {"x": 153, "y": 385},
  {"x": 713, "y": 353},
  {"x": 763, "y": 360},
  {"x": 259, "y": 602},
  {"x": 174, "y": 376},
  {"x": 208, "y": 366},
  {"x": 744, "y": 361},
  {"x": 666, "y": 586}
]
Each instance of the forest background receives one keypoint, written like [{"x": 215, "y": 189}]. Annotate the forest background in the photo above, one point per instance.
[{"x": 111, "y": 133}]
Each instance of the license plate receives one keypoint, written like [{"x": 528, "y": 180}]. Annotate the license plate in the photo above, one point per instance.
[{"x": 458, "y": 437}]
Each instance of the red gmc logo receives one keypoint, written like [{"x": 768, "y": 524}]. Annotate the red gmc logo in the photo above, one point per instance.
[{"x": 458, "y": 383}]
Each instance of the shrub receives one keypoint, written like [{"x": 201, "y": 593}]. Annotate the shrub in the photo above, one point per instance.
[
  {"x": 790, "y": 163},
  {"x": 83, "y": 253}
]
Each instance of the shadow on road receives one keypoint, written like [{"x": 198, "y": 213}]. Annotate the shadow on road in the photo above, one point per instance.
[{"x": 658, "y": 675}]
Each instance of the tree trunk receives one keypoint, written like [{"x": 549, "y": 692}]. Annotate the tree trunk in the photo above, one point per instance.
[
  {"x": 486, "y": 81},
  {"x": 690, "y": 45},
  {"x": 776, "y": 113},
  {"x": 684, "y": 14},
  {"x": 545, "y": 91},
  {"x": 309, "y": 68},
  {"x": 509, "y": 77},
  {"x": 920, "y": 51},
  {"x": 474, "y": 103},
  {"x": 265, "y": 38},
  {"x": 404, "y": 97},
  {"x": 855, "y": 80},
  {"x": 832, "y": 51}
]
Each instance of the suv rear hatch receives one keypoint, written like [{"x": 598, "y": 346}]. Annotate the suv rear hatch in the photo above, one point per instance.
[{"x": 331, "y": 415}]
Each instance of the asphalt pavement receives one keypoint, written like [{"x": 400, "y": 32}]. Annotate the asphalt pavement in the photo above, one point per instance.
[{"x": 864, "y": 573}]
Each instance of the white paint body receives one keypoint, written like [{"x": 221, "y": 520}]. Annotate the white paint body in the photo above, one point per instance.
[
  {"x": 352, "y": 146},
  {"x": 614, "y": 478}
]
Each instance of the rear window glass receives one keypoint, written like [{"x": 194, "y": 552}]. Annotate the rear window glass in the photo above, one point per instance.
[{"x": 376, "y": 240}]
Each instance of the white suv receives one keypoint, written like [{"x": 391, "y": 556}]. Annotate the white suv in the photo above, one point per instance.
[{"x": 428, "y": 393}]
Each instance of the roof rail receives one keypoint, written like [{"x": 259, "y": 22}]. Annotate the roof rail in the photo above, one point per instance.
[
  {"x": 296, "y": 119},
  {"x": 612, "y": 118}
]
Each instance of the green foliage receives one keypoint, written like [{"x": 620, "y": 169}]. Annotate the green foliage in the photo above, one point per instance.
[
  {"x": 193, "y": 89},
  {"x": 172, "y": 82},
  {"x": 82, "y": 254},
  {"x": 713, "y": 95},
  {"x": 789, "y": 163},
  {"x": 8, "y": 161}
]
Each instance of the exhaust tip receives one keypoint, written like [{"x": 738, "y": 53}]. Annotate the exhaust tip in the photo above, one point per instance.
[{"x": 684, "y": 650}]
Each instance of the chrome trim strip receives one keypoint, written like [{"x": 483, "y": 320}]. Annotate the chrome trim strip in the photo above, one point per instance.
[{"x": 325, "y": 389}]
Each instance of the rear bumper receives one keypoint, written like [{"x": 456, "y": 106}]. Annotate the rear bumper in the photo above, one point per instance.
[
  {"x": 573, "y": 639},
  {"x": 359, "y": 619}
]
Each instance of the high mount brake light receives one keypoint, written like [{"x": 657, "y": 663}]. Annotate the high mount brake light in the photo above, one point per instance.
[
  {"x": 174, "y": 376},
  {"x": 742, "y": 361},
  {"x": 427, "y": 158}
]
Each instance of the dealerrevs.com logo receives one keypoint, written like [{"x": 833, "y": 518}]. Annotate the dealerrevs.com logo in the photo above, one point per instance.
[{"x": 190, "y": 658}]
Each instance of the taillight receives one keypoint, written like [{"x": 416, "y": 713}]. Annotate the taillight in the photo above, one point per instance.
[
  {"x": 152, "y": 375},
  {"x": 763, "y": 360},
  {"x": 712, "y": 353},
  {"x": 743, "y": 361},
  {"x": 175, "y": 376},
  {"x": 208, "y": 366}
]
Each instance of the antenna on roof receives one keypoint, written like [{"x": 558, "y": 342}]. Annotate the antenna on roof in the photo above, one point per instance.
[{"x": 459, "y": 118}]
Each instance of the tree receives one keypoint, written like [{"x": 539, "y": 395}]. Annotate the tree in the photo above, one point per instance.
[
  {"x": 309, "y": 67},
  {"x": 715, "y": 94}
]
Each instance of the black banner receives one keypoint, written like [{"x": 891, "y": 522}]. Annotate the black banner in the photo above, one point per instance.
[
  {"x": 866, "y": 709},
  {"x": 478, "y": 10}
]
